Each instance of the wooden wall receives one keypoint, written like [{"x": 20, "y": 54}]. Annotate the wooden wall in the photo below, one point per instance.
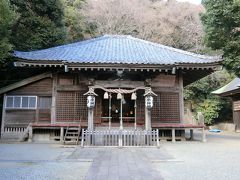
[
  {"x": 71, "y": 103},
  {"x": 167, "y": 103},
  {"x": 20, "y": 116},
  {"x": 41, "y": 88}
]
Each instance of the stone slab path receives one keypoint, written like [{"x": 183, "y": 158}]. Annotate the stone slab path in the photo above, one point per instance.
[{"x": 125, "y": 163}]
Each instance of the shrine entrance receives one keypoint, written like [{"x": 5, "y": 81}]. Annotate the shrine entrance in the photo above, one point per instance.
[
  {"x": 118, "y": 109},
  {"x": 119, "y": 106}
]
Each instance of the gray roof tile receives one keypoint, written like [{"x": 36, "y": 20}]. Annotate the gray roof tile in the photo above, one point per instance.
[
  {"x": 232, "y": 86},
  {"x": 116, "y": 49}
]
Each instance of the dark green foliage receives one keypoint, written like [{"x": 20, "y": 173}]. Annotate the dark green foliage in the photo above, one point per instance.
[
  {"x": 222, "y": 27},
  {"x": 212, "y": 106},
  {"x": 76, "y": 26},
  {"x": 40, "y": 24},
  {"x": 7, "y": 16}
]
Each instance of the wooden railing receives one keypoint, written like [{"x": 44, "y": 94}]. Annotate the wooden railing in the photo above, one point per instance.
[
  {"x": 17, "y": 131},
  {"x": 120, "y": 138},
  {"x": 15, "y": 128}
]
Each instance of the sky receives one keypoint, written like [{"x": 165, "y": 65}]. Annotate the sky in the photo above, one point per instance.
[{"x": 192, "y": 1}]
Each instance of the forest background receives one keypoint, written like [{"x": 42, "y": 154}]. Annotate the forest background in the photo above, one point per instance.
[{"x": 211, "y": 28}]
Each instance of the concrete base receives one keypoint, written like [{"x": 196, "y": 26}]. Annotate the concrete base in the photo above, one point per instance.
[{"x": 43, "y": 137}]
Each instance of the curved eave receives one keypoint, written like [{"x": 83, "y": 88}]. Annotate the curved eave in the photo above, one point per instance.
[{"x": 128, "y": 66}]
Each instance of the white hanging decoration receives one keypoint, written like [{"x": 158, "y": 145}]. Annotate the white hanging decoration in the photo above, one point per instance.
[
  {"x": 133, "y": 96},
  {"x": 105, "y": 96},
  {"x": 119, "y": 96}
]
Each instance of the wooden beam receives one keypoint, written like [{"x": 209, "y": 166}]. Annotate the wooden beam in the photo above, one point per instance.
[
  {"x": 69, "y": 88},
  {"x": 119, "y": 84},
  {"x": 25, "y": 82},
  {"x": 54, "y": 99},
  {"x": 181, "y": 100}
]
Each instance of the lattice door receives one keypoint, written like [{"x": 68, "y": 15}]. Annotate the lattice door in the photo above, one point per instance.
[
  {"x": 166, "y": 107},
  {"x": 71, "y": 107}
]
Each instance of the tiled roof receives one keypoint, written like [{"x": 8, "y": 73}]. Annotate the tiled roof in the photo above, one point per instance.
[
  {"x": 116, "y": 49},
  {"x": 232, "y": 86}
]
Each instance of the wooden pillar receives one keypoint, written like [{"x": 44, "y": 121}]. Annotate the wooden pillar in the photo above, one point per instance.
[
  {"x": 61, "y": 134},
  {"x": 90, "y": 119},
  {"x": 147, "y": 119},
  {"x": 110, "y": 110},
  {"x": 121, "y": 117},
  {"x": 54, "y": 97},
  {"x": 3, "y": 114},
  {"x": 135, "y": 114},
  {"x": 37, "y": 110},
  {"x": 30, "y": 135},
  {"x": 181, "y": 100},
  {"x": 191, "y": 134},
  {"x": 173, "y": 135}
]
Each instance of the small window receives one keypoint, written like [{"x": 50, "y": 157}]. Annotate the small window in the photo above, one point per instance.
[
  {"x": 17, "y": 102},
  {"x": 9, "y": 103},
  {"x": 21, "y": 102},
  {"x": 32, "y": 102},
  {"x": 24, "y": 102}
]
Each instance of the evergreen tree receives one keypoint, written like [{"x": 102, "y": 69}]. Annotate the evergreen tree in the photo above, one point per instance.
[
  {"x": 40, "y": 24},
  {"x": 222, "y": 27},
  {"x": 76, "y": 26},
  {"x": 7, "y": 16}
]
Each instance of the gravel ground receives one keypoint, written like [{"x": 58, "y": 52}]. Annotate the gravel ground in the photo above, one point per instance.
[
  {"x": 40, "y": 161},
  {"x": 218, "y": 158}
]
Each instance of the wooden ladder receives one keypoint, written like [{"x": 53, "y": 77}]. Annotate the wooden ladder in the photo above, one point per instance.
[{"x": 72, "y": 135}]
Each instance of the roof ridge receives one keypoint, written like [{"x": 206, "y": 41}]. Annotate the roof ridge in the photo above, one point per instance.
[{"x": 174, "y": 49}]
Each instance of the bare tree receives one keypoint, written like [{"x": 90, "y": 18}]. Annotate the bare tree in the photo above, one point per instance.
[{"x": 167, "y": 22}]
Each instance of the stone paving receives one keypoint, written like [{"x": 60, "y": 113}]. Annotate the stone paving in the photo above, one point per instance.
[{"x": 125, "y": 163}]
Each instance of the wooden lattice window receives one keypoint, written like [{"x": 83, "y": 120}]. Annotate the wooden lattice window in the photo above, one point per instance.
[
  {"x": 155, "y": 113},
  {"x": 166, "y": 107},
  {"x": 71, "y": 106}
]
